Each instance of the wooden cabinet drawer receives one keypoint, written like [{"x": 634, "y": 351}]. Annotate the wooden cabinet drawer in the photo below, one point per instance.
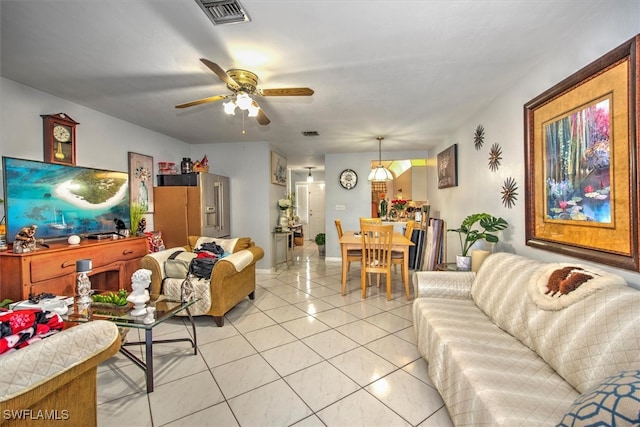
[
  {"x": 127, "y": 250},
  {"x": 50, "y": 266}
]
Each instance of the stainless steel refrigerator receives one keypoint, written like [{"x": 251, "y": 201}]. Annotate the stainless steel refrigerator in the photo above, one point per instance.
[{"x": 195, "y": 204}]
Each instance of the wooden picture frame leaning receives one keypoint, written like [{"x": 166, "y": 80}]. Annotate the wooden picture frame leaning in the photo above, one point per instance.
[
  {"x": 448, "y": 167},
  {"x": 581, "y": 156}
]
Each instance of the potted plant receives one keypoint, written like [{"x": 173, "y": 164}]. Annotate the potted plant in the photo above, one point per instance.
[
  {"x": 320, "y": 241},
  {"x": 469, "y": 235}
]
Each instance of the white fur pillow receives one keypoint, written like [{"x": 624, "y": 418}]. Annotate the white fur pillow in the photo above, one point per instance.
[{"x": 576, "y": 282}]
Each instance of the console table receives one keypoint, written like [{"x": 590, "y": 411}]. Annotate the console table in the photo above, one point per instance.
[{"x": 53, "y": 269}]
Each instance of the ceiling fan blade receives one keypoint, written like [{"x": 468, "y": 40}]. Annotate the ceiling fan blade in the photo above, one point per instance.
[
  {"x": 291, "y": 91},
  {"x": 261, "y": 117},
  {"x": 222, "y": 74},
  {"x": 202, "y": 101}
]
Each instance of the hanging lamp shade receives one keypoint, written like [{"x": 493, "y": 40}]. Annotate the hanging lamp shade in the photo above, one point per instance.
[
  {"x": 380, "y": 173},
  {"x": 309, "y": 177}
]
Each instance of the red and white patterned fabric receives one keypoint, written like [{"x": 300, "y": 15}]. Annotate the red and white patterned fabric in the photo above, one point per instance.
[{"x": 19, "y": 328}]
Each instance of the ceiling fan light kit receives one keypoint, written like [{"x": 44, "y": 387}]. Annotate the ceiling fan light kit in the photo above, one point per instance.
[
  {"x": 380, "y": 173},
  {"x": 243, "y": 84}
]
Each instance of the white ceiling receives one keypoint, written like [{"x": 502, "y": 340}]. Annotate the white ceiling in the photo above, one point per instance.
[{"x": 408, "y": 70}]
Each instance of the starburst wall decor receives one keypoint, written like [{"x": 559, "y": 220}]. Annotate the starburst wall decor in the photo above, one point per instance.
[
  {"x": 509, "y": 192},
  {"x": 478, "y": 137},
  {"x": 495, "y": 155}
]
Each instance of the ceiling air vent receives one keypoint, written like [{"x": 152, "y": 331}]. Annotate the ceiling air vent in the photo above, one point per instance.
[
  {"x": 224, "y": 11},
  {"x": 310, "y": 133}
]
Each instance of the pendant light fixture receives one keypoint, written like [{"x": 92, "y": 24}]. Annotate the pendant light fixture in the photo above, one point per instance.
[
  {"x": 309, "y": 177},
  {"x": 380, "y": 173}
]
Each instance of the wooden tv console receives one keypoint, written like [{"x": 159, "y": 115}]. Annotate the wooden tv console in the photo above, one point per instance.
[{"x": 53, "y": 269}]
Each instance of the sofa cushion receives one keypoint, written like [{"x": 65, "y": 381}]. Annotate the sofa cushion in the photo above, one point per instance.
[
  {"x": 202, "y": 291},
  {"x": 485, "y": 376},
  {"x": 613, "y": 401},
  {"x": 581, "y": 355}
]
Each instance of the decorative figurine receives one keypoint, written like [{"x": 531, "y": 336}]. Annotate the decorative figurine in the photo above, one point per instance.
[
  {"x": 25, "y": 240},
  {"x": 141, "y": 226},
  {"x": 149, "y": 318},
  {"x": 140, "y": 281}
]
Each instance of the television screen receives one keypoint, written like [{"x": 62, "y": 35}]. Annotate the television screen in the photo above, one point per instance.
[{"x": 62, "y": 200}]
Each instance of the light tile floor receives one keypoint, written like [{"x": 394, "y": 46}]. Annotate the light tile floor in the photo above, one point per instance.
[{"x": 299, "y": 354}]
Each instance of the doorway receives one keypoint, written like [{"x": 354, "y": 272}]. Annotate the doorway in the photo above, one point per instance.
[{"x": 311, "y": 202}]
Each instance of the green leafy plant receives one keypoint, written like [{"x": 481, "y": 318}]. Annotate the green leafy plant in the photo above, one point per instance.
[
  {"x": 119, "y": 298},
  {"x": 469, "y": 235},
  {"x": 136, "y": 213},
  {"x": 320, "y": 239}
]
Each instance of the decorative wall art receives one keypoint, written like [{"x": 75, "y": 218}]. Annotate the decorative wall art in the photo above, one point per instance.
[
  {"x": 581, "y": 152},
  {"x": 141, "y": 180},
  {"x": 278, "y": 169},
  {"x": 448, "y": 167},
  {"x": 495, "y": 155},
  {"x": 478, "y": 137},
  {"x": 509, "y": 192}
]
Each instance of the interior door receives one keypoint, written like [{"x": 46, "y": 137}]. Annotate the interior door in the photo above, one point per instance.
[{"x": 316, "y": 209}]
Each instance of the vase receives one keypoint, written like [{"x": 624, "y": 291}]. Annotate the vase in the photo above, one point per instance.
[
  {"x": 283, "y": 221},
  {"x": 463, "y": 262},
  {"x": 143, "y": 197}
]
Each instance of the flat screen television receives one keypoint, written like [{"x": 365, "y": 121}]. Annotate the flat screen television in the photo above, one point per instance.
[{"x": 62, "y": 200}]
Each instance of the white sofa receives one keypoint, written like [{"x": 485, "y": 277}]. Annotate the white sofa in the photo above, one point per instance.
[{"x": 501, "y": 352}]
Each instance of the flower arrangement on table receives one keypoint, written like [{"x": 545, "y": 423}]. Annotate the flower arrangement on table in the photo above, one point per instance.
[
  {"x": 398, "y": 204},
  {"x": 284, "y": 204}
]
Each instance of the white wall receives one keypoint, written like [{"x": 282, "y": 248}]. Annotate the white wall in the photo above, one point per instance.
[
  {"x": 357, "y": 201},
  {"x": 478, "y": 188},
  {"x": 104, "y": 142}
]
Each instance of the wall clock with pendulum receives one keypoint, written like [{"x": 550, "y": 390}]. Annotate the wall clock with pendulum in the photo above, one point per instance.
[{"x": 59, "y": 132}]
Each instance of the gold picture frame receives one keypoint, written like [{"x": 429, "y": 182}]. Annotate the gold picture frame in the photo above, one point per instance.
[
  {"x": 141, "y": 180},
  {"x": 278, "y": 169},
  {"x": 581, "y": 154}
]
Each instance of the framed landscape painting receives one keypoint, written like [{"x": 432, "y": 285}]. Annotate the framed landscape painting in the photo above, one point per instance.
[{"x": 581, "y": 153}]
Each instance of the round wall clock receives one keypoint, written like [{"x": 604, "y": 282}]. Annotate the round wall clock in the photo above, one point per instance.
[{"x": 348, "y": 179}]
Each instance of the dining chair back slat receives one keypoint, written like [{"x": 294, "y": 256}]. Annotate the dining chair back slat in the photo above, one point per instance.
[{"x": 376, "y": 254}]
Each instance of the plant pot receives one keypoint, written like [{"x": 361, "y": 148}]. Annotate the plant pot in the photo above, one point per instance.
[
  {"x": 321, "y": 250},
  {"x": 463, "y": 262}
]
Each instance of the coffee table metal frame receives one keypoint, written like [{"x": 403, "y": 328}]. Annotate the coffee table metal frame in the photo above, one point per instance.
[{"x": 165, "y": 309}]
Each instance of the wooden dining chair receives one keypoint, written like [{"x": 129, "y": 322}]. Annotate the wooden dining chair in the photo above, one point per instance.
[
  {"x": 352, "y": 254},
  {"x": 397, "y": 257},
  {"x": 365, "y": 220},
  {"x": 377, "y": 242}
]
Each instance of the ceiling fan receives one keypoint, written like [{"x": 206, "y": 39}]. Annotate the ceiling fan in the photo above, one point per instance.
[{"x": 243, "y": 84}]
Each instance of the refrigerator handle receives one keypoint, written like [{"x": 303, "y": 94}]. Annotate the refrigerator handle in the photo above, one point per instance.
[{"x": 221, "y": 204}]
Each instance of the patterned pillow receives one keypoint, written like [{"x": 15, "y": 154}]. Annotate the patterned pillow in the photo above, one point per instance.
[{"x": 613, "y": 402}]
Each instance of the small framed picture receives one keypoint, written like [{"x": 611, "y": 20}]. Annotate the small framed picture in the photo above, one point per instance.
[
  {"x": 448, "y": 167},
  {"x": 141, "y": 180},
  {"x": 278, "y": 169}
]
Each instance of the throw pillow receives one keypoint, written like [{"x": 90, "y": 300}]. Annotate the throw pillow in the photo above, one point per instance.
[{"x": 613, "y": 402}]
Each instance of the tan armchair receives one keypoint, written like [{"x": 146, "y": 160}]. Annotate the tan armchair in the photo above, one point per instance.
[
  {"x": 56, "y": 377},
  {"x": 233, "y": 277}
]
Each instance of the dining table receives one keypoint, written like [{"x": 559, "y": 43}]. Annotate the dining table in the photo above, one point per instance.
[{"x": 353, "y": 240}]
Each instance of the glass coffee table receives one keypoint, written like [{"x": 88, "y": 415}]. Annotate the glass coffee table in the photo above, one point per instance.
[{"x": 165, "y": 308}]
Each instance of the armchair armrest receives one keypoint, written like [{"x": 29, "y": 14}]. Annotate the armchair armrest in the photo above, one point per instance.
[
  {"x": 443, "y": 284},
  {"x": 32, "y": 373},
  {"x": 235, "y": 263}
]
